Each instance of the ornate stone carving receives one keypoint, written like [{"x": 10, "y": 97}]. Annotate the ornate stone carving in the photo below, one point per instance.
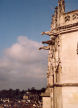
[
  {"x": 67, "y": 18},
  {"x": 75, "y": 16}
]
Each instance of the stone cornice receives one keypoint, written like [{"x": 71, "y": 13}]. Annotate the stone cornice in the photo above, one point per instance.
[
  {"x": 64, "y": 29},
  {"x": 68, "y": 28},
  {"x": 64, "y": 85}
]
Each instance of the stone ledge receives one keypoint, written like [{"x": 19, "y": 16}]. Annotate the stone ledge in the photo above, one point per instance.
[
  {"x": 65, "y": 85},
  {"x": 45, "y": 94}
]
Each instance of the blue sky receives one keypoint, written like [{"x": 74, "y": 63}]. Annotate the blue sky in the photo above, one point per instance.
[
  {"x": 23, "y": 17},
  {"x": 21, "y": 22}
]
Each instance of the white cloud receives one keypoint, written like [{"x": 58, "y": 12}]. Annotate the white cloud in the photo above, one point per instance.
[{"x": 23, "y": 65}]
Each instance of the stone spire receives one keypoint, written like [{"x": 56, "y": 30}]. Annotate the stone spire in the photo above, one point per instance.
[
  {"x": 59, "y": 11},
  {"x": 61, "y": 6}
]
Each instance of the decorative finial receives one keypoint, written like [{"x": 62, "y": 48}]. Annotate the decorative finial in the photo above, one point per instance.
[{"x": 61, "y": 6}]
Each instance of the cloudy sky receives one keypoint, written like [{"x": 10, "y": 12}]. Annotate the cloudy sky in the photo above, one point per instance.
[{"x": 22, "y": 65}]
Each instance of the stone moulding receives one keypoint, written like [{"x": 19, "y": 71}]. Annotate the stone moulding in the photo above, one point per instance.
[
  {"x": 65, "y": 85},
  {"x": 45, "y": 94},
  {"x": 65, "y": 29}
]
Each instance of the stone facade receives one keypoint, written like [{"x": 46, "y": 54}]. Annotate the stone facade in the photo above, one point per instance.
[{"x": 62, "y": 76}]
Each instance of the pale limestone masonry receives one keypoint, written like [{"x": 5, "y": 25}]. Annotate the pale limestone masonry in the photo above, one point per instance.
[{"x": 62, "y": 75}]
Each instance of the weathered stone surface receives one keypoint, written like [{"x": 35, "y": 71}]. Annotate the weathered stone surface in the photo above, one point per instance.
[
  {"x": 62, "y": 76},
  {"x": 46, "y": 102},
  {"x": 70, "y": 97}
]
